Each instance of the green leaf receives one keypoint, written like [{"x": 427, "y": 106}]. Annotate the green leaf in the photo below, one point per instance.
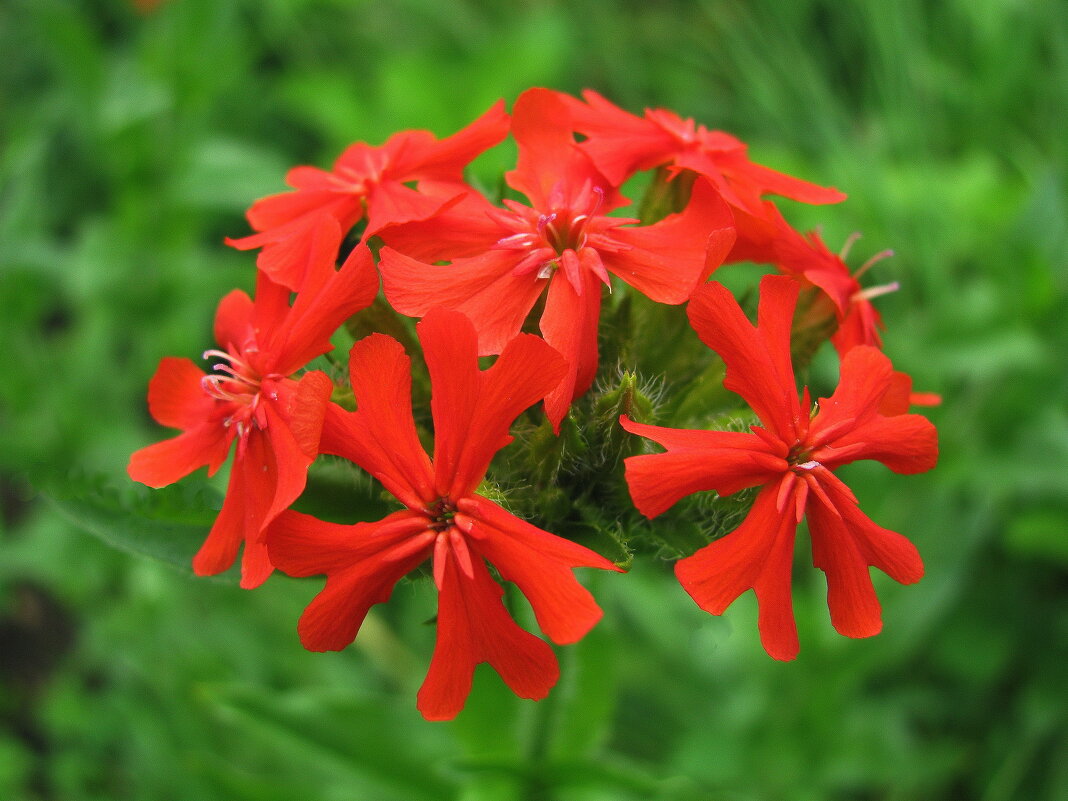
[
  {"x": 339, "y": 492},
  {"x": 585, "y": 696},
  {"x": 343, "y": 734},
  {"x": 167, "y": 524}
]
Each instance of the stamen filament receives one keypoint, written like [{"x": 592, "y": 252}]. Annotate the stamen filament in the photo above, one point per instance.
[
  {"x": 843, "y": 254},
  {"x": 878, "y": 257},
  {"x": 876, "y": 291}
]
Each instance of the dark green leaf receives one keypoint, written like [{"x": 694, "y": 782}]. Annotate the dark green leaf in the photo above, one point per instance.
[{"x": 167, "y": 524}]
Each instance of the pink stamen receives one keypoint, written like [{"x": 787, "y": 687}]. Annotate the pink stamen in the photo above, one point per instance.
[
  {"x": 878, "y": 257},
  {"x": 876, "y": 291},
  {"x": 843, "y": 254}
]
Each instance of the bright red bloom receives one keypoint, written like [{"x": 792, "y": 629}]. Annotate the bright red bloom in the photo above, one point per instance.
[
  {"x": 275, "y": 419},
  {"x": 620, "y": 144},
  {"x": 770, "y": 239},
  {"x": 445, "y": 520},
  {"x": 564, "y": 244},
  {"x": 792, "y": 457},
  {"x": 365, "y": 180}
]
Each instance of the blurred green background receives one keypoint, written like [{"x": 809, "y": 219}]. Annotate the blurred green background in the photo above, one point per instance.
[{"x": 131, "y": 143}]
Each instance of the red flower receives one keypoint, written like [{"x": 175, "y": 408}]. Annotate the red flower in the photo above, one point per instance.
[
  {"x": 621, "y": 143},
  {"x": 275, "y": 420},
  {"x": 843, "y": 301},
  {"x": 369, "y": 180},
  {"x": 445, "y": 520},
  {"x": 564, "y": 244},
  {"x": 900, "y": 396},
  {"x": 792, "y": 457}
]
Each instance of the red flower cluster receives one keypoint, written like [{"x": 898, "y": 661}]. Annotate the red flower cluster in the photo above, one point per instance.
[{"x": 479, "y": 273}]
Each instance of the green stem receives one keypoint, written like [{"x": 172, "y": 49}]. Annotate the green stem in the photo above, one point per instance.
[{"x": 537, "y": 786}]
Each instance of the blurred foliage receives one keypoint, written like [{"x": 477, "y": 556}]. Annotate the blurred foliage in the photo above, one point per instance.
[{"x": 133, "y": 141}]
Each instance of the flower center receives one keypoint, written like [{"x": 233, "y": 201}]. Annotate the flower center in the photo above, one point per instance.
[
  {"x": 566, "y": 230},
  {"x": 684, "y": 130},
  {"x": 441, "y": 514},
  {"x": 359, "y": 175},
  {"x": 547, "y": 236},
  {"x": 800, "y": 458},
  {"x": 239, "y": 384}
]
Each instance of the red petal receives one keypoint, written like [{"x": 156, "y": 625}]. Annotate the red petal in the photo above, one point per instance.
[
  {"x": 362, "y": 562},
  {"x": 462, "y": 230},
  {"x": 294, "y": 425},
  {"x": 619, "y": 143},
  {"x": 864, "y": 379},
  {"x": 220, "y": 547},
  {"x": 757, "y": 358},
  {"x": 758, "y": 555},
  {"x": 906, "y": 443},
  {"x": 524, "y": 374},
  {"x": 176, "y": 397},
  {"x": 771, "y": 182},
  {"x": 446, "y": 159},
  {"x": 256, "y": 565},
  {"x": 696, "y": 461},
  {"x": 474, "y": 627},
  {"x": 666, "y": 261},
  {"x": 311, "y": 263},
  {"x": 233, "y": 320},
  {"x": 740, "y": 197},
  {"x": 275, "y": 211},
  {"x": 696, "y": 439},
  {"x": 320, "y": 310},
  {"x": 288, "y": 248},
  {"x": 333, "y": 619},
  {"x": 312, "y": 179},
  {"x": 269, "y": 472},
  {"x": 450, "y": 348},
  {"x": 166, "y": 462},
  {"x": 540, "y": 564},
  {"x": 844, "y": 543},
  {"x": 304, "y": 407},
  {"x": 269, "y": 311},
  {"x": 569, "y": 324},
  {"x": 759, "y": 236},
  {"x": 775, "y": 315},
  {"x": 541, "y": 125},
  {"x": 896, "y": 400},
  {"x": 380, "y": 435},
  {"x": 472, "y": 410},
  {"x": 392, "y": 203},
  {"x": 483, "y": 289},
  {"x": 302, "y": 545}
]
